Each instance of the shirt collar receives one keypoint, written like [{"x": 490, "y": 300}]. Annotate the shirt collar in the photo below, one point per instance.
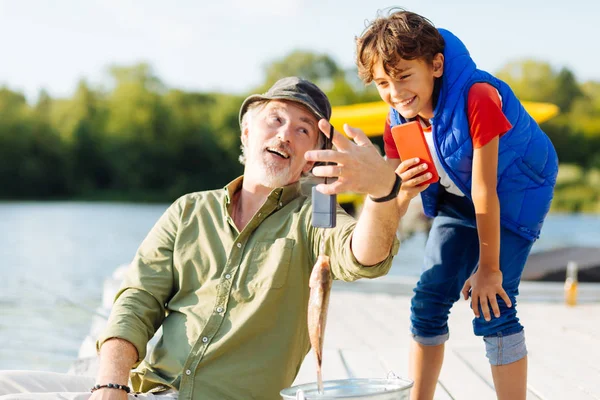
[{"x": 282, "y": 195}]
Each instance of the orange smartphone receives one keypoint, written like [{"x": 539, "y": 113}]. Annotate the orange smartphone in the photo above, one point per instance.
[{"x": 410, "y": 142}]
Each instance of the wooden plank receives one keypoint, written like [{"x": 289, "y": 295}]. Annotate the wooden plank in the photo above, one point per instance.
[
  {"x": 441, "y": 393},
  {"x": 333, "y": 368},
  {"x": 393, "y": 312},
  {"x": 578, "y": 327},
  {"x": 369, "y": 332},
  {"x": 477, "y": 360},
  {"x": 371, "y": 314},
  {"x": 547, "y": 367},
  {"x": 395, "y": 359},
  {"x": 355, "y": 310},
  {"x": 462, "y": 381},
  {"x": 338, "y": 334},
  {"x": 363, "y": 364},
  {"x": 561, "y": 337},
  {"x": 563, "y": 345},
  {"x": 552, "y": 384}
]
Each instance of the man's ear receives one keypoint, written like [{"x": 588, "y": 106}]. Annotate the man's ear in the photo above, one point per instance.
[
  {"x": 244, "y": 136},
  {"x": 438, "y": 65}
]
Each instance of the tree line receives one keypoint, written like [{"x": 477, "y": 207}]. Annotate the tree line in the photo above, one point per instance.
[{"x": 137, "y": 139}]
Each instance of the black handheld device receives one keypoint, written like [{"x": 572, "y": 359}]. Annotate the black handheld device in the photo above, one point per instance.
[{"x": 324, "y": 205}]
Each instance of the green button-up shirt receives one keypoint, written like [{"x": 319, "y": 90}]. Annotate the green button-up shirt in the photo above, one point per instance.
[{"x": 232, "y": 305}]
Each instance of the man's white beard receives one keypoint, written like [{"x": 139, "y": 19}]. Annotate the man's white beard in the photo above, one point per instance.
[{"x": 270, "y": 174}]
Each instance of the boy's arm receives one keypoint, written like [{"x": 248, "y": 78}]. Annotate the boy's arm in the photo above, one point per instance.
[{"x": 486, "y": 283}]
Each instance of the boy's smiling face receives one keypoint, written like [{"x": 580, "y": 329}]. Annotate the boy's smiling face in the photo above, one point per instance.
[{"x": 410, "y": 91}]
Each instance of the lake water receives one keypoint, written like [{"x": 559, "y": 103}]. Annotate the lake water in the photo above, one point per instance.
[{"x": 56, "y": 256}]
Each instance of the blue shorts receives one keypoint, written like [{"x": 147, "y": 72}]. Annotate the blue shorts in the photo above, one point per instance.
[{"x": 451, "y": 256}]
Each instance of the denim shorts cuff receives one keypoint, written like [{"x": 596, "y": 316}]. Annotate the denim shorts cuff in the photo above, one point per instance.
[
  {"x": 502, "y": 350},
  {"x": 431, "y": 340}
]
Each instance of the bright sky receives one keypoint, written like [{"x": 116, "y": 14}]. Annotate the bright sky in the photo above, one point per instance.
[{"x": 224, "y": 44}]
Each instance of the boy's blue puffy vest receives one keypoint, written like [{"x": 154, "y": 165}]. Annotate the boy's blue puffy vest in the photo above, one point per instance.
[{"x": 527, "y": 161}]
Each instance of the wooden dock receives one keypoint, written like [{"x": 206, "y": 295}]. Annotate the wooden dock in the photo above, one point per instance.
[{"x": 367, "y": 336}]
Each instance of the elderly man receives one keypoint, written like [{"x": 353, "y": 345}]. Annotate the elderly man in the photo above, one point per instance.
[{"x": 225, "y": 272}]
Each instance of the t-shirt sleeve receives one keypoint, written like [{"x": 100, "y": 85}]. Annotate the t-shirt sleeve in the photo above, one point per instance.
[
  {"x": 389, "y": 146},
  {"x": 486, "y": 119}
]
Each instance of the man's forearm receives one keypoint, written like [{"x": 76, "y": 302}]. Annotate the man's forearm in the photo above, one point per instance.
[
  {"x": 375, "y": 231},
  {"x": 117, "y": 358}
]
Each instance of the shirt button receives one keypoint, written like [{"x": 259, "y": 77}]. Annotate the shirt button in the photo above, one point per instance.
[
  {"x": 259, "y": 214},
  {"x": 219, "y": 309},
  {"x": 239, "y": 245},
  {"x": 188, "y": 372},
  {"x": 227, "y": 276},
  {"x": 205, "y": 339},
  {"x": 280, "y": 204}
]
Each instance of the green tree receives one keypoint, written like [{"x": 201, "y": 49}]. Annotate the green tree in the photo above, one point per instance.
[
  {"x": 14, "y": 140},
  {"x": 318, "y": 68},
  {"x": 567, "y": 90},
  {"x": 530, "y": 80}
]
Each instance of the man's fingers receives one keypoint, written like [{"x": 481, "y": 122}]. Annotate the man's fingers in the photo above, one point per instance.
[
  {"x": 325, "y": 156},
  {"x": 357, "y": 135},
  {"x": 340, "y": 141},
  {"x": 329, "y": 171},
  {"x": 324, "y": 126},
  {"x": 331, "y": 188}
]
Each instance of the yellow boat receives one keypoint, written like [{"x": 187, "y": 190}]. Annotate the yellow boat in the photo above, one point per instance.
[{"x": 370, "y": 117}]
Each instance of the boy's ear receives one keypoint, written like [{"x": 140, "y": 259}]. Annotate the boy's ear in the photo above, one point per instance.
[{"x": 438, "y": 65}]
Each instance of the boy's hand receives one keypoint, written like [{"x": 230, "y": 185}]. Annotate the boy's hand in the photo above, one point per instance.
[
  {"x": 485, "y": 284},
  {"x": 411, "y": 183}
]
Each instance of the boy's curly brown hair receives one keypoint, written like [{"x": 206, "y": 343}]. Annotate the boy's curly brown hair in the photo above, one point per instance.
[{"x": 399, "y": 35}]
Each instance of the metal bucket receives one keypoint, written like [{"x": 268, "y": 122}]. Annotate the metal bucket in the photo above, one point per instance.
[{"x": 348, "y": 389}]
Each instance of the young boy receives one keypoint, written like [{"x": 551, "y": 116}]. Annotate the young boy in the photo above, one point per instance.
[{"x": 497, "y": 174}]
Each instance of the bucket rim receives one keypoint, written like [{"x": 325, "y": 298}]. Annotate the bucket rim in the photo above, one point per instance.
[{"x": 338, "y": 383}]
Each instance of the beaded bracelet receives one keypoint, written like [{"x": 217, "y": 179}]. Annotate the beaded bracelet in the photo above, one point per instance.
[{"x": 111, "y": 386}]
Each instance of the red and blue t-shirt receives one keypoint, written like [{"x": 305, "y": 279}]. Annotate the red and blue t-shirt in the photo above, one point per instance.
[{"x": 486, "y": 121}]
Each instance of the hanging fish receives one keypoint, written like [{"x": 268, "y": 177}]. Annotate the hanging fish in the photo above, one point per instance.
[{"x": 320, "y": 287}]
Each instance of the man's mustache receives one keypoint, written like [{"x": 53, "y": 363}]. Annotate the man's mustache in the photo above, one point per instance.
[{"x": 280, "y": 146}]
